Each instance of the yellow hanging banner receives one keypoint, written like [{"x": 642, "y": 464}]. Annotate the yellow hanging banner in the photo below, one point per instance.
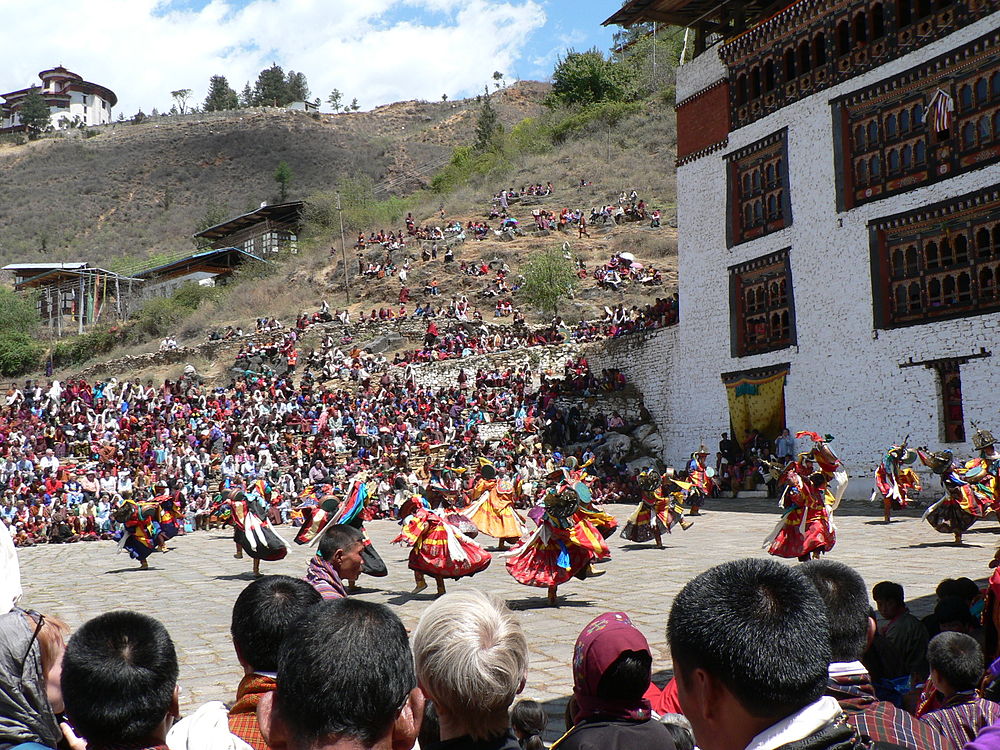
[{"x": 757, "y": 403}]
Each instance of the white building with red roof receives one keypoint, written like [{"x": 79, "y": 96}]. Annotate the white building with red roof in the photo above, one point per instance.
[{"x": 72, "y": 101}]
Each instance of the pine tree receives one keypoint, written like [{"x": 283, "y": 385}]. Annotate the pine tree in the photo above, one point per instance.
[
  {"x": 271, "y": 88},
  {"x": 246, "y": 98},
  {"x": 335, "y": 100},
  {"x": 488, "y": 126},
  {"x": 354, "y": 105},
  {"x": 296, "y": 88},
  {"x": 34, "y": 113},
  {"x": 220, "y": 95},
  {"x": 283, "y": 176}
]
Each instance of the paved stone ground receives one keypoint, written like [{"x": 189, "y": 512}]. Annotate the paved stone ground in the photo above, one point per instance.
[{"x": 192, "y": 588}]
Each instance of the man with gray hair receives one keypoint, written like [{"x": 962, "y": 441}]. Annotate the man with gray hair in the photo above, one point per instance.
[{"x": 471, "y": 659}]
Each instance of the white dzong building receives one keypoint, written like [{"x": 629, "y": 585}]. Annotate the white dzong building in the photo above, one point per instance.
[
  {"x": 839, "y": 225},
  {"x": 73, "y": 102}
]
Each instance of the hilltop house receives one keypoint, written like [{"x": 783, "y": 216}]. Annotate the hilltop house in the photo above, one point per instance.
[
  {"x": 268, "y": 229},
  {"x": 839, "y": 222},
  {"x": 72, "y": 101}
]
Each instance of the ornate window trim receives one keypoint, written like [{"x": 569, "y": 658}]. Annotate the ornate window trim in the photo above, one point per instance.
[
  {"x": 758, "y": 201},
  {"x": 762, "y": 305},
  {"x": 883, "y": 144},
  {"x": 830, "y": 41},
  {"x": 938, "y": 262}
]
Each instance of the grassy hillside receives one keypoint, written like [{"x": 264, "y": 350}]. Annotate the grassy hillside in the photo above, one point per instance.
[{"x": 132, "y": 191}]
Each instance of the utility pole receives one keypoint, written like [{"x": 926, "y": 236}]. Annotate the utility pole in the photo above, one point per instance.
[
  {"x": 343, "y": 249},
  {"x": 654, "y": 53}
]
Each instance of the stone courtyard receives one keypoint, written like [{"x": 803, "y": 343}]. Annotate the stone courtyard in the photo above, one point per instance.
[{"x": 192, "y": 588}]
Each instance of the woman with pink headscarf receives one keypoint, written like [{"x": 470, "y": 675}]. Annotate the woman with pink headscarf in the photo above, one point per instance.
[{"x": 612, "y": 665}]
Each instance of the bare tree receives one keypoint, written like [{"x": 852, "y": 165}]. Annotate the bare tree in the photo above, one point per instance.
[{"x": 181, "y": 96}]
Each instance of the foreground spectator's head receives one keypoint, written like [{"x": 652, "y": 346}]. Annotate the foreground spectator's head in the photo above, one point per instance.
[
  {"x": 28, "y": 711},
  {"x": 528, "y": 720},
  {"x": 611, "y": 670},
  {"x": 750, "y": 645},
  {"x": 341, "y": 547},
  {"x": 345, "y": 679},
  {"x": 889, "y": 599},
  {"x": 845, "y": 594},
  {"x": 264, "y": 612},
  {"x": 956, "y": 662},
  {"x": 953, "y": 615},
  {"x": 471, "y": 659},
  {"x": 680, "y": 730},
  {"x": 119, "y": 680}
]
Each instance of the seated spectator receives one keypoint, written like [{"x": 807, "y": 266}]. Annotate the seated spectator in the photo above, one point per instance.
[
  {"x": 612, "y": 666},
  {"x": 119, "y": 681},
  {"x": 852, "y": 630},
  {"x": 680, "y": 730},
  {"x": 346, "y": 679},
  {"x": 902, "y": 629},
  {"x": 337, "y": 559},
  {"x": 528, "y": 720},
  {"x": 957, "y": 665},
  {"x": 471, "y": 660},
  {"x": 263, "y": 614},
  {"x": 751, "y": 644}
]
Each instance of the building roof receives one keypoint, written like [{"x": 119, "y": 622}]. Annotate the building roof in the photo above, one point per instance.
[
  {"x": 57, "y": 275},
  {"x": 687, "y": 12},
  {"x": 279, "y": 212},
  {"x": 219, "y": 258},
  {"x": 42, "y": 266}
]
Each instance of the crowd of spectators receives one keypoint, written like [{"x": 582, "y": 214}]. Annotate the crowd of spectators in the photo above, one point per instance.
[
  {"x": 75, "y": 452},
  {"x": 764, "y": 656}
]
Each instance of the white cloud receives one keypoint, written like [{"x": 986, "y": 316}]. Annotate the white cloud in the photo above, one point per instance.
[{"x": 376, "y": 50}]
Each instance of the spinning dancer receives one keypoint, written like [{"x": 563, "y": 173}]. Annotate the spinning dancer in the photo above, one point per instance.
[
  {"x": 560, "y": 548},
  {"x": 252, "y": 532},
  {"x": 138, "y": 536},
  {"x": 439, "y": 548},
  {"x": 492, "y": 509},
  {"x": 702, "y": 479},
  {"x": 331, "y": 512},
  {"x": 894, "y": 479},
  {"x": 829, "y": 465},
  {"x": 661, "y": 507},
  {"x": 959, "y": 508},
  {"x": 983, "y": 473},
  {"x": 806, "y": 528},
  {"x": 569, "y": 477}
]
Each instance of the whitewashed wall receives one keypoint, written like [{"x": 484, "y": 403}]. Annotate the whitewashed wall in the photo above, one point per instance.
[{"x": 845, "y": 378}]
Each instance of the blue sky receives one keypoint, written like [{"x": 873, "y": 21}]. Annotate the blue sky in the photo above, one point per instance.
[{"x": 376, "y": 50}]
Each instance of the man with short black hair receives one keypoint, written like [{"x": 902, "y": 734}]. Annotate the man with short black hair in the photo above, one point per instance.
[
  {"x": 263, "y": 614},
  {"x": 337, "y": 559},
  {"x": 903, "y": 630},
  {"x": 119, "y": 681},
  {"x": 751, "y": 644},
  {"x": 345, "y": 680},
  {"x": 852, "y": 630},
  {"x": 957, "y": 665}
]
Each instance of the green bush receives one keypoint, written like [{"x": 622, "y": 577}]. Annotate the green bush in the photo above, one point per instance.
[
  {"x": 191, "y": 295},
  {"x": 18, "y": 353},
  {"x": 588, "y": 77},
  {"x": 156, "y": 318}
]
